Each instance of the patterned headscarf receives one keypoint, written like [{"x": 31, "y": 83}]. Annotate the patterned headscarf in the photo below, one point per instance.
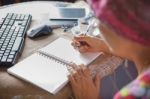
[{"x": 128, "y": 18}]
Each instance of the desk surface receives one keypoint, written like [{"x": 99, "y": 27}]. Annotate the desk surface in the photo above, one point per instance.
[{"x": 14, "y": 88}]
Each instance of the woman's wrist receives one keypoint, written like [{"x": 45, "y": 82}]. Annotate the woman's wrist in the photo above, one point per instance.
[{"x": 104, "y": 48}]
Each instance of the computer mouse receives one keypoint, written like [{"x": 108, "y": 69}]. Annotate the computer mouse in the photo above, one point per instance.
[{"x": 39, "y": 30}]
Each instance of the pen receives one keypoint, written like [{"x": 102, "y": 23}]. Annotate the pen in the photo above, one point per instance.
[{"x": 89, "y": 28}]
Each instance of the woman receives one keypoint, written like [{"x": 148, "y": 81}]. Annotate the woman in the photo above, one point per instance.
[{"x": 125, "y": 28}]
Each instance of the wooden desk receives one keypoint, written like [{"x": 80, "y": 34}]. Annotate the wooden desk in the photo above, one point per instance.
[{"x": 14, "y": 88}]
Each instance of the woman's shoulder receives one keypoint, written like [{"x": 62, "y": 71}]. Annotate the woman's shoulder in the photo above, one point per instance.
[{"x": 139, "y": 88}]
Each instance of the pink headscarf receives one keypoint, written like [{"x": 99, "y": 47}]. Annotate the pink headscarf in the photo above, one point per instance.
[{"x": 128, "y": 18}]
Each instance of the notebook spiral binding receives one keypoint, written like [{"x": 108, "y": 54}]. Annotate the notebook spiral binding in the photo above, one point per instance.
[{"x": 56, "y": 59}]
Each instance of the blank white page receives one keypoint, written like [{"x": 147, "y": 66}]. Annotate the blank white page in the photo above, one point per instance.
[
  {"x": 63, "y": 49},
  {"x": 42, "y": 72}
]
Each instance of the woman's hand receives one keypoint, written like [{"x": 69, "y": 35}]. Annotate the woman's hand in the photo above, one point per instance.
[
  {"x": 89, "y": 44},
  {"x": 84, "y": 86}
]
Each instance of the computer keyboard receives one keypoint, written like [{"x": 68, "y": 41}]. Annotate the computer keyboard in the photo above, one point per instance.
[{"x": 12, "y": 33}]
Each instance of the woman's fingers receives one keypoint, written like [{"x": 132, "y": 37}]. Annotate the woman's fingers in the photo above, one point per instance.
[
  {"x": 80, "y": 46},
  {"x": 71, "y": 79},
  {"x": 80, "y": 71},
  {"x": 82, "y": 41},
  {"x": 82, "y": 75},
  {"x": 75, "y": 43},
  {"x": 82, "y": 38},
  {"x": 83, "y": 49},
  {"x": 87, "y": 72},
  {"x": 97, "y": 81}
]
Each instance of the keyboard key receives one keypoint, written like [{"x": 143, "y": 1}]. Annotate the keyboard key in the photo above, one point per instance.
[
  {"x": 11, "y": 22},
  {"x": 7, "y": 51},
  {"x": 9, "y": 46},
  {"x": 11, "y": 43},
  {"x": 9, "y": 60},
  {"x": 17, "y": 44},
  {"x": 4, "y": 46},
  {"x": 4, "y": 58},
  {"x": 20, "y": 35},
  {"x": 12, "y": 53},
  {"x": 1, "y": 41},
  {"x": 11, "y": 56},
  {"x": 1, "y": 52},
  {"x": 6, "y": 54},
  {"x": 2, "y": 49},
  {"x": 4, "y": 26},
  {"x": 14, "y": 16},
  {"x": 18, "y": 16},
  {"x": 1, "y": 55},
  {"x": 9, "y": 15}
]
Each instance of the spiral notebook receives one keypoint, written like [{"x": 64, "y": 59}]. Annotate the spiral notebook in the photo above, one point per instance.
[{"x": 47, "y": 67}]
